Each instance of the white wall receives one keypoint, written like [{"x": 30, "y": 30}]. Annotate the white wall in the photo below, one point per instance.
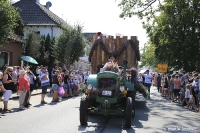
[{"x": 44, "y": 30}]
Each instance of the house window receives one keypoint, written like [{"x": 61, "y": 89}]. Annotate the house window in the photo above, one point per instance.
[
  {"x": 4, "y": 59},
  {"x": 38, "y": 32}
]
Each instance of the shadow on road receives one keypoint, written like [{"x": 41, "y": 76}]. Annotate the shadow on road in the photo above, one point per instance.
[{"x": 102, "y": 124}]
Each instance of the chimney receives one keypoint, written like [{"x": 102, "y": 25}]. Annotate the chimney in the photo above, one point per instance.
[
  {"x": 38, "y": 1},
  {"x": 48, "y": 5}
]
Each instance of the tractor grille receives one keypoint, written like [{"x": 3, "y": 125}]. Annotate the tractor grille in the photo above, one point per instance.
[{"x": 106, "y": 86}]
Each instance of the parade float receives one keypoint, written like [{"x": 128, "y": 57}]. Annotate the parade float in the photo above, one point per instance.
[{"x": 109, "y": 92}]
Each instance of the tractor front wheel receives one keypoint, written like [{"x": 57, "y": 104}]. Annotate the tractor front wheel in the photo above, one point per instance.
[
  {"x": 83, "y": 112},
  {"x": 128, "y": 114}
]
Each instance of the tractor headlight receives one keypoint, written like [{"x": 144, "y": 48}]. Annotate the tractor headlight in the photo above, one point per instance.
[
  {"x": 121, "y": 88},
  {"x": 89, "y": 87}
]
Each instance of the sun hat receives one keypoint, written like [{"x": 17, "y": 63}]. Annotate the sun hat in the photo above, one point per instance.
[{"x": 22, "y": 72}]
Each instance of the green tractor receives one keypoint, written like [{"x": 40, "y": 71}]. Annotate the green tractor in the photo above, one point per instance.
[{"x": 108, "y": 93}]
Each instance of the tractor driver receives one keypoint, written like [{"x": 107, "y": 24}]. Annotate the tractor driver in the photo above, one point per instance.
[{"x": 111, "y": 60}]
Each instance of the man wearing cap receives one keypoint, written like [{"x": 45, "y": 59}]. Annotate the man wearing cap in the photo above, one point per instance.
[
  {"x": 147, "y": 82},
  {"x": 111, "y": 60}
]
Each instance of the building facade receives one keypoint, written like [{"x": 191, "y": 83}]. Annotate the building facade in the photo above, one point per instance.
[{"x": 10, "y": 53}]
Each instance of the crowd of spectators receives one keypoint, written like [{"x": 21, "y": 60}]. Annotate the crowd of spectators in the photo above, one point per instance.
[
  {"x": 180, "y": 87},
  {"x": 23, "y": 81}
]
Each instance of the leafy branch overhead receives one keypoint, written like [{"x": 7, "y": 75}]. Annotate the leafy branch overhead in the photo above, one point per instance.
[
  {"x": 173, "y": 30},
  {"x": 140, "y": 8},
  {"x": 10, "y": 21}
]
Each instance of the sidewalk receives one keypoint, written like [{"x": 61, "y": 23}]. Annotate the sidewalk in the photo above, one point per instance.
[{"x": 35, "y": 92}]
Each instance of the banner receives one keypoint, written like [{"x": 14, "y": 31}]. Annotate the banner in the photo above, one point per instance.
[{"x": 162, "y": 68}]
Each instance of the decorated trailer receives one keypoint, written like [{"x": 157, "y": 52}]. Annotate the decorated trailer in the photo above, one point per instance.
[
  {"x": 110, "y": 92},
  {"x": 122, "y": 48}
]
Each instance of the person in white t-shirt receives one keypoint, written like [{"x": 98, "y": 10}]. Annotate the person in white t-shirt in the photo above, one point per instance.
[
  {"x": 147, "y": 80},
  {"x": 86, "y": 75},
  {"x": 187, "y": 95},
  {"x": 140, "y": 79}
]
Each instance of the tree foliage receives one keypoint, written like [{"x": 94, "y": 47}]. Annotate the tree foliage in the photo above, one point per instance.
[
  {"x": 43, "y": 58},
  {"x": 40, "y": 48},
  {"x": 32, "y": 44},
  {"x": 148, "y": 56},
  {"x": 140, "y": 8},
  {"x": 175, "y": 32},
  {"x": 69, "y": 45},
  {"x": 10, "y": 21}
]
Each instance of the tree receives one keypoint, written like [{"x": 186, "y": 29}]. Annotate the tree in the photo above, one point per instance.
[
  {"x": 148, "y": 56},
  {"x": 10, "y": 21},
  {"x": 78, "y": 45},
  {"x": 47, "y": 43},
  {"x": 51, "y": 58},
  {"x": 140, "y": 8},
  {"x": 176, "y": 34},
  {"x": 70, "y": 45},
  {"x": 87, "y": 46},
  {"x": 43, "y": 57},
  {"x": 32, "y": 44}
]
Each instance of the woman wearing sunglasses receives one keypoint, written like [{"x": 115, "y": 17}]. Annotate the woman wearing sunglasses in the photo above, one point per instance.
[{"x": 8, "y": 84}]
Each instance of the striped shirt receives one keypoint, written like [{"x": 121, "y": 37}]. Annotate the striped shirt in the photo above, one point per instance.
[{"x": 44, "y": 80}]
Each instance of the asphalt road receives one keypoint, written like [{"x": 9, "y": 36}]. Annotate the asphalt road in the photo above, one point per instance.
[{"x": 155, "y": 115}]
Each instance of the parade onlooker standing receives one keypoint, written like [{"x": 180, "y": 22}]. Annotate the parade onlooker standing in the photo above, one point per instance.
[
  {"x": 195, "y": 75},
  {"x": 140, "y": 79},
  {"x": 76, "y": 84},
  {"x": 8, "y": 83},
  {"x": 66, "y": 83},
  {"x": 183, "y": 83},
  {"x": 158, "y": 82},
  {"x": 15, "y": 75},
  {"x": 55, "y": 86},
  {"x": 196, "y": 90},
  {"x": 86, "y": 75},
  {"x": 71, "y": 85},
  {"x": 2, "y": 89},
  {"x": 24, "y": 86},
  {"x": 147, "y": 82},
  {"x": 171, "y": 87},
  {"x": 177, "y": 84},
  {"x": 38, "y": 69},
  {"x": 31, "y": 78},
  {"x": 166, "y": 85},
  {"x": 44, "y": 83},
  {"x": 187, "y": 95}
]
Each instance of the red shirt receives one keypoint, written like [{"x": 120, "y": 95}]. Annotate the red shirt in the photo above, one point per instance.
[
  {"x": 25, "y": 81},
  {"x": 177, "y": 83}
]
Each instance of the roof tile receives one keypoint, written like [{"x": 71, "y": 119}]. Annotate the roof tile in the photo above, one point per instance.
[{"x": 33, "y": 13}]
